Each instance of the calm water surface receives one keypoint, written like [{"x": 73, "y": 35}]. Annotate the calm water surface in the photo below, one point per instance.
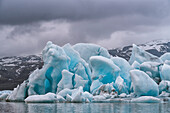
[{"x": 6, "y": 107}]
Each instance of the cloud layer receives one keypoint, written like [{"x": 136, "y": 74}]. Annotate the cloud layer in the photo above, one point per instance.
[{"x": 25, "y": 26}]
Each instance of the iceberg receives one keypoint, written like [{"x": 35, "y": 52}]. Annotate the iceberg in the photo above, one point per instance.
[
  {"x": 65, "y": 92},
  {"x": 152, "y": 69},
  {"x": 79, "y": 81},
  {"x": 87, "y": 73},
  {"x": 165, "y": 57},
  {"x": 141, "y": 56},
  {"x": 143, "y": 85},
  {"x": 5, "y": 91},
  {"x": 165, "y": 72},
  {"x": 164, "y": 94},
  {"x": 19, "y": 93},
  {"x": 88, "y": 96},
  {"x": 77, "y": 64},
  {"x": 91, "y": 49},
  {"x": 135, "y": 65},
  {"x": 60, "y": 98},
  {"x": 106, "y": 89},
  {"x": 77, "y": 95},
  {"x": 95, "y": 85},
  {"x": 99, "y": 98},
  {"x": 47, "y": 98},
  {"x": 124, "y": 67},
  {"x": 55, "y": 60},
  {"x": 4, "y": 96},
  {"x": 164, "y": 85},
  {"x": 66, "y": 81},
  {"x": 104, "y": 69},
  {"x": 121, "y": 86},
  {"x": 146, "y": 99}
]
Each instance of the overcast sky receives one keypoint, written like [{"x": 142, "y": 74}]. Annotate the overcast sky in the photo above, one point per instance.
[{"x": 26, "y": 25}]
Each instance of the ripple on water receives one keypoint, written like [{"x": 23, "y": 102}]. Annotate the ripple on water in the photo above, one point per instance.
[{"x": 11, "y": 107}]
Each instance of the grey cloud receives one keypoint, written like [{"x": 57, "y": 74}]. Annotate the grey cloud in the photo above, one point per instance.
[
  {"x": 26, "y": 25},
  {"x": 30, "y": 11}
]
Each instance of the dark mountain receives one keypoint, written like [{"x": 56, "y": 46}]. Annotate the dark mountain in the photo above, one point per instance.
[
  {"x": 14, "y": 70},
  {"x": 157, "y": 48}
]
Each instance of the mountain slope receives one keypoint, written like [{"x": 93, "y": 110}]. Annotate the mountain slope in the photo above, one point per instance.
[
  {"x": 13, "y": 70},
  {"x": 158, "y": 48}
]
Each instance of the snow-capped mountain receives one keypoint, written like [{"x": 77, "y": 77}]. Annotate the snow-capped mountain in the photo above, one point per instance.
[
  {"x": 14, "y": 70},
  {"x": 157, "y": 47}
]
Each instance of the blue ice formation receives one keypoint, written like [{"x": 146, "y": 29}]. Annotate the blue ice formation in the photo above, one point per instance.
[
  {"x": 124, "y": 70},
  {"x": 143, "y": 85},
  {"x": 91, "y": 49},
  {"x": 104, "y": 69},
  {"x": 66, "y": 81},
  {"x": 120, "y": 86},
  {"x": 87, "y": 73}
]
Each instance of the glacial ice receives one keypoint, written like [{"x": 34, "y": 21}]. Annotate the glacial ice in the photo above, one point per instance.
[
  {"x": 60, "y": 98},
  {"x": 146, "y": 99},
  {"x": 68, "y": 98},
  {"x": 87, "y": 73},
  {"x": 141, "y": 56},
  {"x": 65, "y": 92},
  {"x": 5, "y": 91},
  {"x": 124, "y": 69},
  {"x": 77, "y": 64},
  {"x": 66, "y": 81},
  {"x": 4, "y": 96},
  {"x": 164, "y": 85},
  {"x": 91, "y": 49},
  {"x": 135, "y": 65},
  {"x": 95, "y": 85},
  {"x": 165, "y": 72},
  {"x": 165, "y": 57},
  {"x": 19, "y": 93},
  {"x": 143, "y": 85},
  {"x": 152, "y": 69},
  {"x": 79, "y": 81},
  {"x": 104, "y": 69},
  {"x": 87, "y": 95},
  {"x": 99, "y": 98},
  {"x": 121, "y": 86},
  {"x": 106, "y": 89},
  {"x": 47, "y": 98}
]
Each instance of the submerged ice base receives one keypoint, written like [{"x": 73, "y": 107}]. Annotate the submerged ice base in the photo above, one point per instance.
[{"x": 87, "y": 73}]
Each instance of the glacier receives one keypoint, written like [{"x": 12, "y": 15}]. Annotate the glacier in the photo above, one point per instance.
[{"x": 87, "y": 73}]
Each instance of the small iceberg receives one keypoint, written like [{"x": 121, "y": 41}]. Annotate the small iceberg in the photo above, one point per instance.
[{"x": 146, "y": 99}]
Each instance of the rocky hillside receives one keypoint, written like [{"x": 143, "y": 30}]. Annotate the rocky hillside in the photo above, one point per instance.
[
  {"x": 14, "y": 70},
  {"x": 158, "y": 48}
]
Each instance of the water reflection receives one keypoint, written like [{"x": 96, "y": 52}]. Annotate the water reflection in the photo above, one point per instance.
[{"x": 85, "y": 108}]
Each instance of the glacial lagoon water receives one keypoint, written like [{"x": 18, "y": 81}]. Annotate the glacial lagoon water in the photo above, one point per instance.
[{"x": 10, "y": 107}]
